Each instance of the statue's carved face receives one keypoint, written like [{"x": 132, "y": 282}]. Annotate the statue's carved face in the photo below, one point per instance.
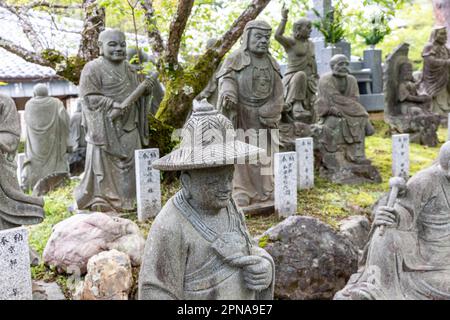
[
  {"x": 210, "y": 189},
  {"x": 302, "y": 30},
  {"x": 406, "y": 72},
  {"x": 259, "y": 41},
  {"x": 114, "y": 47},
  {"x": 340, "y": 68},
  {"x": 441, "y": 36}
]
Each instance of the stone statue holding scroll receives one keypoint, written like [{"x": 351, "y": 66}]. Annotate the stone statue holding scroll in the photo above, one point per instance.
[
  {"x": 16, "y": 208},
  {"x": 408, "y": 252},
  {"x": 115, "y": 118},
  {"x": 407, "y": 111},
  {"x": 198, "y": 247},
  {"x": 251, "y": 96},
  {"x": 436, "y": 69},
  {"x": 47, "y": 134},
  {"x": 300, "y": 78},
  {"x": 342, "y": 127}
]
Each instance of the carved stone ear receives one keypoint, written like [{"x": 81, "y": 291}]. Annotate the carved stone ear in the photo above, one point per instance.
[
  {"x": 185, "y": 180},
  {"x": 100, "y": 46}
]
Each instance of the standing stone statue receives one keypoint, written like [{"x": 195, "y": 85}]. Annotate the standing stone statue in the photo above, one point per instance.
[
  {"x": 300, "y": 78},
  {"x": 115, "y": 118},
  {"x": 251, "y": 96},
  {"x": 198, "y": 247},
  {"x": 342, "y": 127},
  {"x": 77, "y": 141},
  {"x": 435, "y": 74},
  {"x": 137, "y": 62},
  {"x": 407, "y": 111},
  {"x": 408, "y": 252},
  {"x": 47, "y": 136},
  {"x": 16, "y": 208}
]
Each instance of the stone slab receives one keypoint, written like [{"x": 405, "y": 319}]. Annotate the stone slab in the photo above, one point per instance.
[
  {"x": 285, "y": 170},
  {"x": 304, "y": 148},
  {"x": 400, "y": 155}
]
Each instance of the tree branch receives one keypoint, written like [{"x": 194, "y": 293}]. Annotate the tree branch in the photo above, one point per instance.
[
  {"x": 154, "y": 36},
  {"x": 237, "y": 28},
  {"x": 24, "y": 53},
  {"x": 45, "y": 4},
  {"x": 177, "y": 28},
  {"x": 94, "y": 23}
]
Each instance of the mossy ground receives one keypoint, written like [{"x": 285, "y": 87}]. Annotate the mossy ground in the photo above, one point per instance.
[{"x": 327, "y": 201}]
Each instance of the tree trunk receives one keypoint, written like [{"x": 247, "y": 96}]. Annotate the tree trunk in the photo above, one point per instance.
[{"x": 442, "y": 14}]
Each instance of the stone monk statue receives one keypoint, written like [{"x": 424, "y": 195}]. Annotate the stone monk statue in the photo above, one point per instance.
[
  {"x": 300, "y": 78},
  {"x": 251, "y": 96},
  {"x": 343, "y": 125},
  {"x": 16, "y": 208},
  {"x": 47, "y": 135},
  {"x": 198, "y": 247},
  {"x": 115, "y": 119},
  {"x": 435, "y": 75},
  {"x": 410, "y": 257}
]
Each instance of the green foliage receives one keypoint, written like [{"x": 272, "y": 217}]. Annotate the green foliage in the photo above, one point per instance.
[
  {"x": 374, "y": 30},
  {"x": 331, "y": 25}
]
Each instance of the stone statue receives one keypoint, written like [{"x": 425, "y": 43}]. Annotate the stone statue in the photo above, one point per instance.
[
  {"x": 210, "y": 92},
  {"x": 77, "y": 141},
  {"x": 408, "y": 252},
  {"x": 300, "y": 78},
  {"x": 435, "y": 74},
  {"x": 115, "y": 119},
  {"x": 137, "y": 63},
  {"x": 251, "y": 96},
  {"x": 47, "y": 136},
  {"x": 199, "y": 247},
  {"x": 342, "y": 127},
  {"x": 407, "y": 111},
  {"x": 16, "y": 208}
]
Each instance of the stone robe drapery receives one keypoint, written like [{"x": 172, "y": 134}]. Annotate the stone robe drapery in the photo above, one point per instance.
[
  {"x": 256, "y": 91},
  {"x": 109, "y": 178},
  {"x": 413, "y": 260},
  {"x": 435, "y": 82},
  {"x": 16, "y": 208},
  {"x": 180, "y": 263},
  {"x": 47, "y": 132},
  {"x": 351, "y": 128}
]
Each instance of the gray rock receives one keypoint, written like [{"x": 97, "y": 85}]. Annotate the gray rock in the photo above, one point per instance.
[
  {"x": 109, "y": 277},
  {"x": 75, "y": 240},
  {"x": 312, "y": 261},
  {"x": 356, "y": 229},
  {"x": 47, "y": 291}
]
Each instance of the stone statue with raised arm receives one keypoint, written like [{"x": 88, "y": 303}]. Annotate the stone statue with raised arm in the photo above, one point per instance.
[{"x": 198, "y": 247}]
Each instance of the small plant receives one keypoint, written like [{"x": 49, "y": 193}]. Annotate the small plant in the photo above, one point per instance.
[
  {"x": 375, "y": 29},
  {"x": 331, "y": 24}
]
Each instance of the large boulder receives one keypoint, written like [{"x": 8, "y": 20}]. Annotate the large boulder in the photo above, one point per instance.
[
  {"x": 312, "y": 261},
  {"x": 109, "y": 277},
  {"x": 75, "y": 240}
]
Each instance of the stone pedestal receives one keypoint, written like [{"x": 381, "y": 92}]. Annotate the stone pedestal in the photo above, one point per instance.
[
  {"x": 323, "y": 64},
  {"x": 15, "y": 272},
  {"x": 372, "y": 60}
]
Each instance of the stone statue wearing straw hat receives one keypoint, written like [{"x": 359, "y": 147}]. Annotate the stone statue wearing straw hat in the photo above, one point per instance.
[{"x": 199, "y": 247}]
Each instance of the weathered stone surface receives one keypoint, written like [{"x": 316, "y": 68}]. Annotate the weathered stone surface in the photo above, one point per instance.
[
  {"x": 312, "y": 261},
  {"x": 109, "y": 277},
  {"x": 356, "y": 229},
  {"x": 50, "y": 183},
  {"x": 15, "y": 273},
  {"x": 47, "y": 291},
  {"x": 75, "y": 240}
]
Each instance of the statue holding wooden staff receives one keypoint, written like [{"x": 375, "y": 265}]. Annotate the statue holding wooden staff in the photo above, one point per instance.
[
  {"x": 408, "y": 252},
  {"x": 115, "y": 118}
]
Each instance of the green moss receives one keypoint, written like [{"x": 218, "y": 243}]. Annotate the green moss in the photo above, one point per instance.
[
  {"x": 263, "y": 241},
  {"x": 68, "y": 67}
]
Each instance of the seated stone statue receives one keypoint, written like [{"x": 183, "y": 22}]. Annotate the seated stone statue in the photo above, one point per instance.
[
  {"x": 410, "y": 258},
  {"x": 47, "y": 131},
  {"x": 300, "y": 78},
  {"x": 16, "y": 208},
  {"x": 342, "y": 127},
  {"x": 436, "y": 70},
  {"x": 407, "y": 111},
  {"x": 199, "y": 247}
]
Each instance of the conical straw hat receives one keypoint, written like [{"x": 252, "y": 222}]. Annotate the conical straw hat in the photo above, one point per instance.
[{"x": 208, "y": 140}]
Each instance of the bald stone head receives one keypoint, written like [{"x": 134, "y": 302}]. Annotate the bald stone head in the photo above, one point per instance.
[
  {"x": 113, "y": 45},
  {"x": 444, "y": 158},
  {"x": 40, "y": 90},
  {"x": 339, "y": 65}
]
